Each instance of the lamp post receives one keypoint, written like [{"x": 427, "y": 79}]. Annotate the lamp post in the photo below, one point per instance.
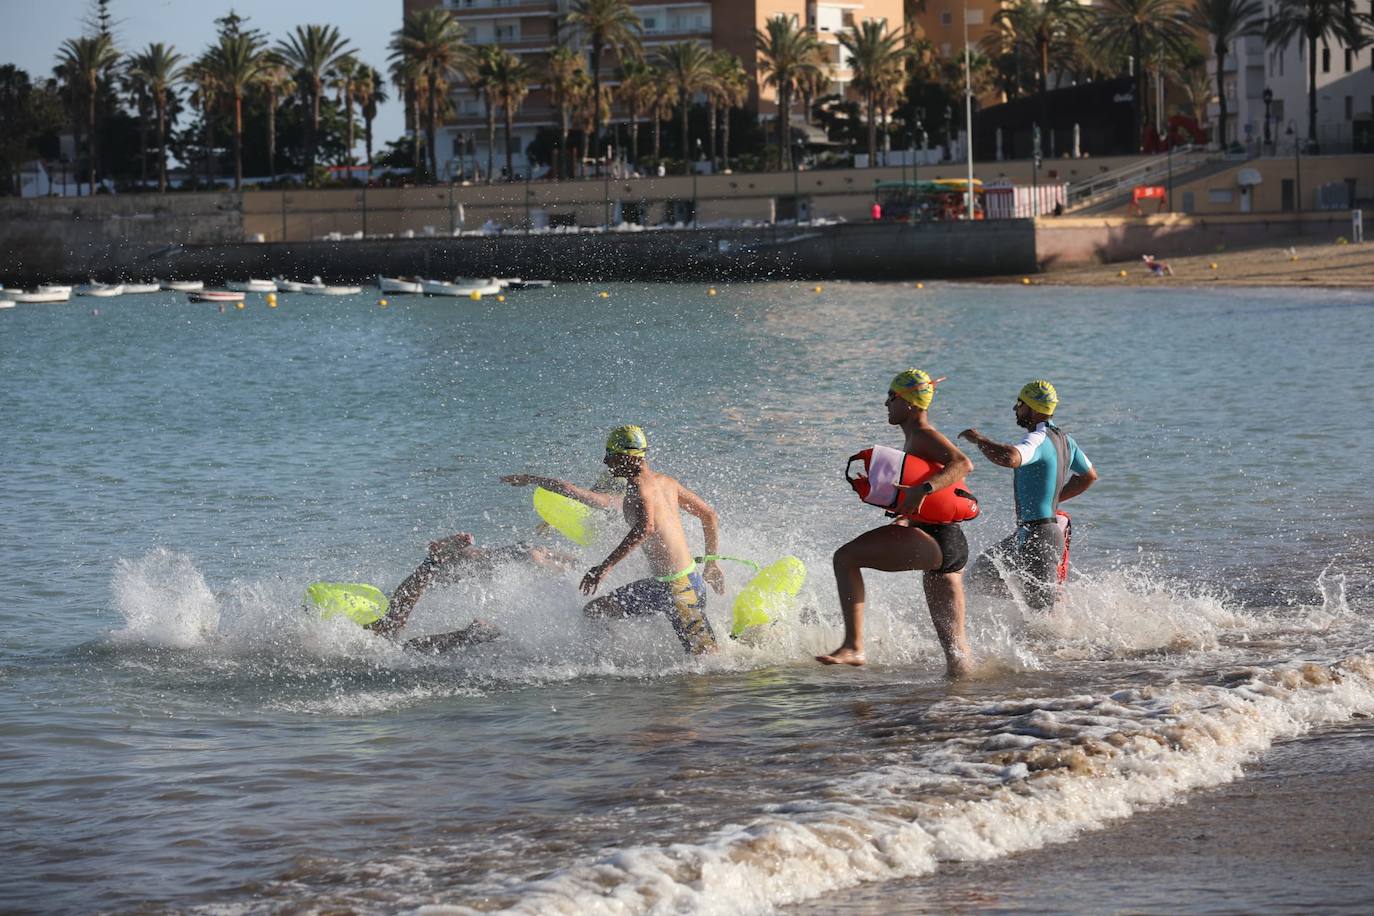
[
  {"x": 1035, "y": 171},
  {"x": 1268, "y": 96},
  {"x": 694, "y": 184},
  {"x": 1297, "y": 165}
]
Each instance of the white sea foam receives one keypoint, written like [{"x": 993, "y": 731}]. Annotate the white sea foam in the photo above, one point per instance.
[
  {"x": 164, "y": 601},
  {"x": 1024, "y": 774}
]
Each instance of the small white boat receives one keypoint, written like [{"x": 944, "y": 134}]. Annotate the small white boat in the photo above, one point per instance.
[
  {"x": 460, "y": 288},
  {"x": 54, "y": 288},
  {"x": 39, "y": 296},
  {"x": 294, "y": 286},
  {"x": 131, "y": 289},
  {"x": 399, "y": 285},
  {"x": 215, "y": 295},
  {"x": 326, "y": 290},
  {"x": 6, "y": 304},
  {"x": 253, "y": 286},
  {"x": 531, "y": 284},
  {"x": 101, "y": 290},
  {"x": 183, "y": 286}
]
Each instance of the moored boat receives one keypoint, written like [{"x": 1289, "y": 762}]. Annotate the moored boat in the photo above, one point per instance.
[
  {"x": 183, "y": 286},
  {"x": 326, "y": 290},
  {"x": 215, "y": 295},
  {"x": 101, "y": 290},
  {"x": 39, "y": 296},
  {"x": 139, "y": 288},
  {"x": 6, "y": 303},
  {"x": 252, "y": 286},
  {"x": 294, "y": 286},
  {"x": 460, "y": 288},
  {"x": 399, "y": 285},
  {"x": 530, "y": 284},
  {"x": 54, "y": 288}
]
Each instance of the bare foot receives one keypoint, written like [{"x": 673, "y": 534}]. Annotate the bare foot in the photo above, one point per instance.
[
  {"x": 843, "y": 657},
  {"x": 956, "y": 668}
]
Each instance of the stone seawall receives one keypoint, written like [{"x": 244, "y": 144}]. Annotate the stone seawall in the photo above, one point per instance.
[{"x": 849, "y": 251}]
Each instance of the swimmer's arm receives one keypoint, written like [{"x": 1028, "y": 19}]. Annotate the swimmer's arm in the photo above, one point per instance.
[
  {"x": 1007, "y": 456},
  {"x": 563, "y": 488},
  {"x": 1077, "y": 484},
  {"x": 636, "y": 536},
  {"x": 404, "y": 599},
  {"x": 940, "y": 450},
  {"x": 693, "y": 504}
]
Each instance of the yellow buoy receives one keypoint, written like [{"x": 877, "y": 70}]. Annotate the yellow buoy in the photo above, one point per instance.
[
  {"x": 500, "y": 298},
  {"x": 604, "y": 295},
  {"x": 1121, "y": 273},
  {"x": 271, "y": 303},
  {"x": 239, "y": 304},
  {"x": 920, "y": 286},
  {"x": 475, "y": 295},
  {"x": 816, "y": 289},
  {"x": 711, "y": 291},
  {"x": 1213, "y": 265},
  {"x": 272, "y": 299},
  {"x": 1025, "y": 281},
  {"x": 382, "y": 303}
]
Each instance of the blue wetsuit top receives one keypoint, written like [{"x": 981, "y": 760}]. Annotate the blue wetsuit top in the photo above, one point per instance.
[{"x": 1040, "y": 478}]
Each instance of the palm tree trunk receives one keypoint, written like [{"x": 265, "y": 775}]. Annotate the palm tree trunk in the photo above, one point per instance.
[
  {"x": 1221, "y": 97},
  {"x": 90, "y": 137},
  {"x": 143, "y": 147},
  {"x": 658, "y": 130},
  {"x": 872, "y": 133},
  {"x": 564, "y": 153},
  {"x": 596, "y": 95},
  {"x": 725, "y": 140},
  {"x": 510, "y": 161},
  {"x": 634, "y": 134},
  {"x": 491, "y": 139},
  {"x": 312, "y": 147},
  {"x": 348, "y": 112},
  {"x": 238, "y": 141},
  {"x": 161, "y": 145},
  {"x": 711, "y": 131},
  {"x": 272, "y": 134},
  {"x": 414, "y": 105},
  {"x": 1044, "y": 93},
  {"x": 367, "y": 140},
  {"x": 686, "y": 150},
  {"x": 784, "y": 115},
  {"x": 209, "y": 153},
  {"x": 1312, "y": 90},
  {"x": 431, "y": 123}
]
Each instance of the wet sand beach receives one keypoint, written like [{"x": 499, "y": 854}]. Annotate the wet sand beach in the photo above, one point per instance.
[{"x": 1298, "y": 264}]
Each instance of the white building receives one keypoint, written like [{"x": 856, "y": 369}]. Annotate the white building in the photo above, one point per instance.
[{"x": 1345, "y": 94}]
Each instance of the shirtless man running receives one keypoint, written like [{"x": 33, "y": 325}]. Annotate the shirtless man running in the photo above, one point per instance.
[
  {"x": 939, "y": 550},
  {"x": 651, "y": 506}
]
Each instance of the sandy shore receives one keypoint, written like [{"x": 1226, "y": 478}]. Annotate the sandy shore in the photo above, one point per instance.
[{"x": 1301, "y": 264}]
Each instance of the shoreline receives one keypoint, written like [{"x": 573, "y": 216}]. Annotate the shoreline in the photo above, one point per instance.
[{"x": 1299, "y": 263}]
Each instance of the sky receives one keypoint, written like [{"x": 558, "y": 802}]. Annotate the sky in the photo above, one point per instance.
[{"x": 34, "y": 29}]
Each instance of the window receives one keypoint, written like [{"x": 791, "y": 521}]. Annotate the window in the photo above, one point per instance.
[
  {"x": 650, "y": 23},
  {"x": 1326, "y": 60},
  {"x": 946, "y": 18},
  {"x": 1220, "y": 195},
  {"x": 1349, "y": 60}
]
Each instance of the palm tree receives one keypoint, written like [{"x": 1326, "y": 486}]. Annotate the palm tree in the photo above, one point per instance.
[
  {"x": 200, "y": 73},
  {"x": 370, "y": 89},
  {"x": 635, "y": 76},
  {"x": 344, "y": 77},
  {"x": 1141, "y": 31},
  {"x": 275, "y": 83},
  {"x": 404, "y": 74},
  {"x": 875, "y": 56},
  {"x": 731, "y": 86},
  {"x": 686, "y": 66},
  {"x": 236, "y": 62},
  {"x": 1313, "y": 21},
  {"x": 436, "y": 44},
  {"x": 788, "y": 54},
  {"x": 155, "y": 69},
  {"x": 662, "y": 103},
  {"x": 310, "y": 51},
  {"x": 1224, "y": 21},
  {"x": 592, "y": 110},
  {"x": 1042, "y": 30},
  {"x": 564, "y": 69},
  {"x": 606, "y": 25},
  {"x": 82, "y": 64},
  {"x": 510, "y": 83},
  {"x": 481, "y": 75}
]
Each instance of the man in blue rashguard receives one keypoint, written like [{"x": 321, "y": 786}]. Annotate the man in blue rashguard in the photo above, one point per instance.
[{"x": 1049, "y": 468}]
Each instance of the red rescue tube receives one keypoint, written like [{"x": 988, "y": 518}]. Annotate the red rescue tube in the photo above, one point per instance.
[{"x": 888, "y": 472}]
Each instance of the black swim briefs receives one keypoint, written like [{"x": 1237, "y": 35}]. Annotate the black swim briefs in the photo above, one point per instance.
[{"x": 953, "y": 546}]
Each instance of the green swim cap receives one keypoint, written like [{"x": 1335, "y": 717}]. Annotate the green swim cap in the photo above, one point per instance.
[
  {"x": 627, "y": 440},
  {"x": 915, "y": 387},
  {"x": 1039, "y": 396}
]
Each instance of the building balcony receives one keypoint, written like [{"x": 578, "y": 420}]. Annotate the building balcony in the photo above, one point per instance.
[{"x": 502, "y": 7}]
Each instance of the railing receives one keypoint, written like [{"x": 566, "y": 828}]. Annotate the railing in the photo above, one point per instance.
[{"x": 1109, "y": 184}]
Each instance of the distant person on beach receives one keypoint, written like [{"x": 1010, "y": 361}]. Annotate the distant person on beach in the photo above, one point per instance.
[
  {"x": 651, "y": 505},
  {"x": 939, "y": 551},
  {"x": 1042, "y": 463},
  {"x": 1157, "y": 268}
]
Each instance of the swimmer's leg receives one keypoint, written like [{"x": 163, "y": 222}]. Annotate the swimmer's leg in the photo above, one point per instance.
[
  {"x": 475, "y": 633},
  {"x": 984, "y": 578},
  {"x": 638, "y": 599},
  {"x": 945, "y": 598},
  {"x": 892, "y": 548}
]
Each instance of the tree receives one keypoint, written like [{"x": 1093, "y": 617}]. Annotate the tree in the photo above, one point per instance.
[
  {"x": 344, "y": 78},
  {"x": 510, "y": 83},
  {"x": 481, "y": 76},
  {"x": 1313, "y": 21},
  {"x": 1042, "y": 31},
  {"x": 875, "y": 58},
  {"x": 371, "y": 92},
  {"x": 607, "y": 25},
  {"x": 235, "y": 64},
  {"x": 1224, "y": 21},
  {"x": 1136, "y": 32},
  {"x": 82, "y": 64},
  {"x": 592, "y": 109},
  {"x": 730, "y": 87},
  {"x": 636, "y": 91},
  {"x": 565, "y": 72},
  {"x": 686, "y": 66},
  {"x": 200, "y": 73},
  {"x": 30, "y": 118},
  {"x": 275, "y": 84},
  {"x": 309, "y": 52},
  {"x": 788, "y": 53},
  {"x": 436, "y": 46},
  {"x": 156, "y": 70}
]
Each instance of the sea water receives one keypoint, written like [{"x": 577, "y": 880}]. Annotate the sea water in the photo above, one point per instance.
[{"x": 177, "y": 733}]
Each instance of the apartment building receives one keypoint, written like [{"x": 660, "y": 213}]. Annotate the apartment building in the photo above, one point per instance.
[
  {"x": 1345, "y": 95},
  {"x": 530, "y": 28}
]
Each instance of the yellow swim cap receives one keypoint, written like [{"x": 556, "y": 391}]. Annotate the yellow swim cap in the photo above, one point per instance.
[
  {"x": 1039, "y": 396},
  {"x": 915, "y": 387},
  {"x": 627, "y": 440}
]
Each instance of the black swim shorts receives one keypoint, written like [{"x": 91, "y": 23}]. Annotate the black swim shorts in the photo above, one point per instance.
[{"x": 953, "y": 546}]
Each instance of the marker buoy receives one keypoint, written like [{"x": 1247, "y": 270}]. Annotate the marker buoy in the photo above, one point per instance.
[
  {"x": 239, "y": 305},
  {"x": 604, "y": 295},
  {"x": 500, "y": 298},
  {"x": 382, "y": 303},
  {"x": 475, "y": 295},
  {"x": 1213, "y": 265},
  {"x": 1121, "y": 273},
  {"x": 711, "y": 291},
  {"x": 920, "y": 286},
  {"x": 1025, "y": 281},
  {"x": 816, "y": 289},
  {"x": 272, "y": 299}
]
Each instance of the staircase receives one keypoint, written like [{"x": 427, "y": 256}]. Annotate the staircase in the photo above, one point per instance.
[{"x": 1111, "y": 189}]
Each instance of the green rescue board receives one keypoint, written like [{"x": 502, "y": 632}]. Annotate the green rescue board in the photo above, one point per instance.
[
  {"x": 765, "y": 597},
  {"x": 574, "y": 520},
  {"x": 363, "y": 604}
]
